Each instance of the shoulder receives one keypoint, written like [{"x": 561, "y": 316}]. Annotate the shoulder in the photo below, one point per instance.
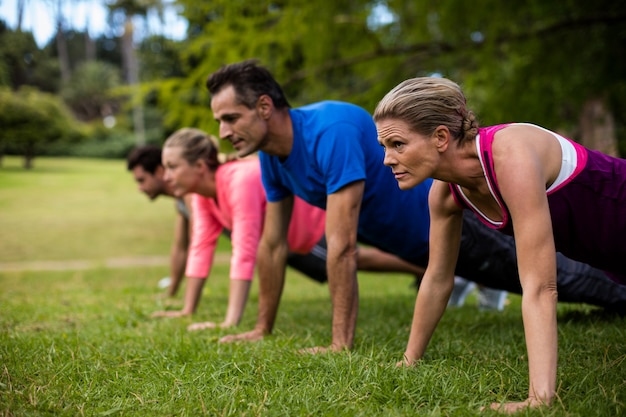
[
  {"x": 441, "y": 200},
  {"x": 238, "y": 170}
]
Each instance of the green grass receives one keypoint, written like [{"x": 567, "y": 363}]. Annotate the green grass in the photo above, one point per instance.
[{"x": 83, "y": 343}]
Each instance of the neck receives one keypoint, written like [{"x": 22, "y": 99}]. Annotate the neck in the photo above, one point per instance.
[
  {"x": 462, "y": 166},
  {"x": 206, "y": 186},
  {"x": 280, "y": 134}
]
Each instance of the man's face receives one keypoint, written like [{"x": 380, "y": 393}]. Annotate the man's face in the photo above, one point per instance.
[
  {"x": 245, "y": 128},
  {"x": 150, "y": 184}
]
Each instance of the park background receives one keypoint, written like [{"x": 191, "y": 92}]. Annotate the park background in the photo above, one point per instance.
[{"x": 81, "y": 250}]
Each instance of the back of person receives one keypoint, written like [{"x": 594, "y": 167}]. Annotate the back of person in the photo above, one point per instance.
[{"x": 393, "y": 220}]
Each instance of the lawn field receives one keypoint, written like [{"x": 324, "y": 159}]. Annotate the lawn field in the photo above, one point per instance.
[{"x": 81, "y": 341}]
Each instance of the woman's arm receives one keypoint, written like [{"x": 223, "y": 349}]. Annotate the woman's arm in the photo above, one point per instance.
[
  {"x": 272, "y": 261},
  {"x": 446, "y": 220},
  {"x": 522, "y": 176}
]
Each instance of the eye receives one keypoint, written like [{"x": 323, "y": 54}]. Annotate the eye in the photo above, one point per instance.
[{"x": 397, "y": 145}]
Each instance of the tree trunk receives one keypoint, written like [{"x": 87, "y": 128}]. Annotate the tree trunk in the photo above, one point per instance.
[
  {"x": 20, "y": 14},
  {"x": 29, "y": 155},
  {"x": 64, "y": 56},
  {"x": 90, "y": 46},
  {"x": 131, "y": 67},
  {"x": 597, "y": 127}
]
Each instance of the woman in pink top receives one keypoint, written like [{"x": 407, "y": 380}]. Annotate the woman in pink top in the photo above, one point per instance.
[{"x": 230, "y": 196}]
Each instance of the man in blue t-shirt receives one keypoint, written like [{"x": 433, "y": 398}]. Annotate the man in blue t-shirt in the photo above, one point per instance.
[{"x": 328, "y": 154}]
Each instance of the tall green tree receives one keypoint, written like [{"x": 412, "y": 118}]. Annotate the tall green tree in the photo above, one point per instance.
[
  {"x": 542, "y": 61},
  {"x": 129, "y": 10}
]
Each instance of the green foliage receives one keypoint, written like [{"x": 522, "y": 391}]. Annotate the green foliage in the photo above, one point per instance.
[
  {"x": 101, "y": 142},
  {"x": 88, "y": 91},
  {"x": 31, "y": 120},
  {"x": 534, "y": 60}
]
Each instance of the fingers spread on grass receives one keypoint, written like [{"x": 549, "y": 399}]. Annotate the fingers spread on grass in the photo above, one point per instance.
[
  {"x": 169, "y": 314},
  {"x": 201, "y": 326},
  {"x": 251, "y": 336},
  {"x": 315, "y": 350}
]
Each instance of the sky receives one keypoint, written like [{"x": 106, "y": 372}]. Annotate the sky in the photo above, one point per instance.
[{"x": 39, "y": 18}]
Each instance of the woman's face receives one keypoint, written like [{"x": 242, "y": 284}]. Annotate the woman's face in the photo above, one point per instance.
[
  {"x": 182, "y": 176},
  {"x": 411, "y": 156}
]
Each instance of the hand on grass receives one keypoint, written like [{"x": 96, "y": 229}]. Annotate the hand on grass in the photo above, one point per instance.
[
  {"x": 322, "y": 349},
  {"x": 251, "y": 336},
  {"x": 170, "y": 313},
  {"x": 202, "y": 326},
  {"x": 514, "y": 407},
  {"x": 406, "y": 362}
]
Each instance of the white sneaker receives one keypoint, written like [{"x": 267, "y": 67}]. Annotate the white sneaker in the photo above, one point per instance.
[
  {"x": 490, "y": 299},
  {"x": 462, "y": 288},
  {"x": 164, "y": 282}
]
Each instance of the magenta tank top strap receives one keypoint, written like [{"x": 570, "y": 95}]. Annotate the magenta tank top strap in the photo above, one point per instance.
[
  {"x": 486, "y": 155},
  {"x": 457, "y": 196}
]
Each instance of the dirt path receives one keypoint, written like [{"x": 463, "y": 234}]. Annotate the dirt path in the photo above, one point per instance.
[{"x": 77, "y": 265}]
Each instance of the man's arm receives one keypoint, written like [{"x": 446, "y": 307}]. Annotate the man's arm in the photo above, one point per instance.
[
  {"x": 342, "y": 218},
  {"x": 178, "y": 253},
  {"x": 271, "y": 262},
  {"x": 180, "y": 246}
]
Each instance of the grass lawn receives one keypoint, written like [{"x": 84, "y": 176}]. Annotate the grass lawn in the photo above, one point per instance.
[{"x": 82, "y": 342}]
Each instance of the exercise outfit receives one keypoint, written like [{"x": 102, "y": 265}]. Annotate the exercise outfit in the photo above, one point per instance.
[
  {"x": 587, "y": 203},
  {"x": 240, "y": 208},
  {"x": 335, "y": 144}
]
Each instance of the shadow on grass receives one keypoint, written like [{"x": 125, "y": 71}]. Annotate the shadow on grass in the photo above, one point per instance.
[{"x": 590, "y": 315}]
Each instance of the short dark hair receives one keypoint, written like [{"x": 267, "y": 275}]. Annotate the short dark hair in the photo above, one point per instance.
[
  {"x": 250, "y": 82},
  {"x": 146, "y": 156}
]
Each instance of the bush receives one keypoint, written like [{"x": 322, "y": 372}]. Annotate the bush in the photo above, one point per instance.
[
  {"x": 32, "y": 120},
  {"x": 100, "y": 143}
]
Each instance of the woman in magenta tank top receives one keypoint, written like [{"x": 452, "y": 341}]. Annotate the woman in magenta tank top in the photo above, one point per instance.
[{"x": 550, "y": 193}]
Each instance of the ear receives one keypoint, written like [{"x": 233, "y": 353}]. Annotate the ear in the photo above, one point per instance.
[
  {"x": 442, "y": 138},
  {"x": 159, "y": 172},
  {"x": 265, "y": 106},
  {"x": 201, "y": 165}
]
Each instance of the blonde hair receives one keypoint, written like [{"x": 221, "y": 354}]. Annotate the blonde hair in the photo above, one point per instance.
[
  {"x": 427, "y": 102},
  {"x": 197, "y": 145}
]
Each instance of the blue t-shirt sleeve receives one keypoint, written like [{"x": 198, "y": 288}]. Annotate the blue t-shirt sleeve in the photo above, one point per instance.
[{"x": 340, "y": 156}]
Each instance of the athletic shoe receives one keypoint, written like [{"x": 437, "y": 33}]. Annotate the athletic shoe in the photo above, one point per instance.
[
  {"x": 462, "y": 288},
  {"x": 490, "y": 299}
]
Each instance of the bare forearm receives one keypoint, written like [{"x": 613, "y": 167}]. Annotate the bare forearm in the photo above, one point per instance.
[
  {"x": 540, "y": 328},
  {"x": 238, "y": 296},
  {"x": 344, "y": 292},
  {"x": 178, "y": 261},
  {"x": 193, "y": 294},
  {"x": 430, "y": 306},
  {"x": 271, "y": 267}
]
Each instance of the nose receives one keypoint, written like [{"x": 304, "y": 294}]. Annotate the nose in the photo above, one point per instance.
[
  {"x": 167, "y": 177},
  {"x": 389, "y": 160},
  {"x": 225, "y": 131}
]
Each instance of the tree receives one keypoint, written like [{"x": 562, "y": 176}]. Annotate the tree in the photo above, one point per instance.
[
  {"x": 89, "y": 92},
  {"x": 540, "y": 61},
  {"x": 130, "y": 9},
  {"x": 31, "y": 119}
]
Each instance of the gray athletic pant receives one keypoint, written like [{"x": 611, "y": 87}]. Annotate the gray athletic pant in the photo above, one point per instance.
[{"x": 488, "y": 257}]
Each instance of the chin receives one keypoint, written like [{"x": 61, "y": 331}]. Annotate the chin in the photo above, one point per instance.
[{"x": 404, "y": 185}]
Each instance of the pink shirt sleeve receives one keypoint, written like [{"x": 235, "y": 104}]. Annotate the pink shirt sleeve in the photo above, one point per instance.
[
  {"x": 241, "y": 200},
  {"x": 205, "y": 229}
]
